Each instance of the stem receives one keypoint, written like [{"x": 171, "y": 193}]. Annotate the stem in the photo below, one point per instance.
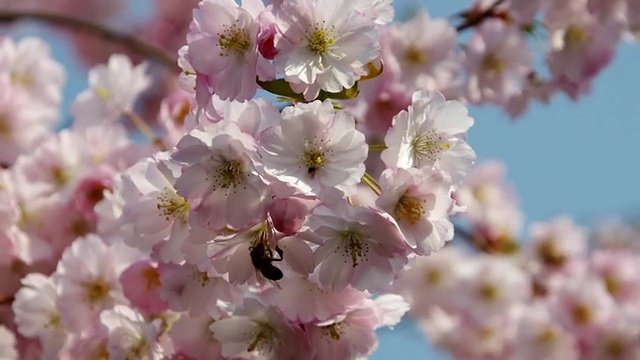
[
  {"x": 372, "y": 183},
  {"x": 474, "y": 19},
  {"x": 377, "y": 147},
  {"x": 145, "y": 129},
  {"x": 130, "y": 41}
]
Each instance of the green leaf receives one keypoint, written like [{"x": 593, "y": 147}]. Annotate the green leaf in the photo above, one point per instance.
[{"x": 280, "y": 87}]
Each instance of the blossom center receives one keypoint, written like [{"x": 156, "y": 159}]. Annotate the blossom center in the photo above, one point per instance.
[
  {"x": 233, "y": 40},
  {"x": 152, "y": 277},
  {"x": 546, "y": 336},
  {"x": 229, "y": 174},
  {"x": 550, "y": 254},
  {"x": 575, "y": 36},
  {"x": 5, "y": 127},
  {"x": 429, "y": 145},
  {"x": 171, "y": 205},
  {"x": 613, "y": 286},
  {"x": 102, "y": 92},
  {"x": 335, "y": 331},
  {"x": 59, "y": 175},
  {"x": 581, "y": 314},
  {"x": 97, "y": 290},
  {"x": 54, "y": 321},
  {"x": 415, "y": 56},
  {"x": 313, "y": 160},
  {"x": 615, "y": 348},
  {"x": 200, "y": 276},
  {"x": 321, "y": 39},
  {"x": 21, "y": 79},
  {"x": 488, "y": 292},
  {"x": 355, "y": 245},
  {"x": 410, "y": 209},
  {"x": 264, "y": 339},
  {"x": 491, "y": 62},
  {"x": 433, "y": 277}
]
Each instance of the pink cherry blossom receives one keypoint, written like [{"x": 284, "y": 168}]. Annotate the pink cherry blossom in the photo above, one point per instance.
[
  {"x": 422, "y": 51},
  {"x": 583, "y": 306},
  {"x": 131, "y": 336},
  {"x": 223, "y": 49},
  {"x": 192, "y": 338},
  {"x": 324, "y": 45},
  {"x": 141, "y": 285},
  {"x": 491, "y": 203},
  {"x": 431, "y": 133},
  {"x": 421, "y": 202},
  {"x": 315, "y": 150},
  {"x": 186, "y": 288},
  {"x": 87, "y": 283},
  {"x": 113, "y": 89},
  {"x": 493, "y": 287},
  {"x": 302, "y": 300},
  {"x": 358, "y": 246},
  {"x": 37, "y": 315},
  {"x": 7, "y": 344},
  {"x": 218, "y": 172},
  {"x": 256, "y": 330},
  {"x": 348, "y": 336},
  {"x": 497, "y": 61},
  {"x": 154, "y": 210},
  {"x": 540, "y": 336},
  {"x": 32, "y": 72}
]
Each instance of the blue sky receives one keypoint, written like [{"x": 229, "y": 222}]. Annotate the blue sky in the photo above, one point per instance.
[{"x": 570, "y": 158}]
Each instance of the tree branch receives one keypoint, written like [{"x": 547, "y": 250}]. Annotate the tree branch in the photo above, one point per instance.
[
  {"x": 128, "y": 40},
  {"x": 476, "y": 18},
  {"x": 6, "y": 300}
]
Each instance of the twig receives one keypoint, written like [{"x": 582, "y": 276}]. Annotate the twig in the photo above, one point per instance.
[
  {"x": 145, "y": 129},
  {"x": 6, "y": 300},
  {"x": 473, "y": 19},
  {"x": 128, "y": 40}
]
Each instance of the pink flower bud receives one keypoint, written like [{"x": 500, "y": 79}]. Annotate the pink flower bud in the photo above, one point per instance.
[
  {"x": 266, "y": 44},
  {"x": 288, "y": 214}
]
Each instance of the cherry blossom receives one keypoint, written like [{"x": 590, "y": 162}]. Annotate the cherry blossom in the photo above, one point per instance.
[
  {"x": 430, "y": 133},
  {"x": 223, "y": 48},
  {"x": 304, "y": 180},
  {"x": 218, "y": 171},
  {"x": 7, "y": 344},
  {"x": 358, "y": 246},
  {"x": 315, "y": 150},
  {"x": 258, "y": 330},
  {"x": 324, "y": 44},
  {"x": 113, "y": 88},
  {"x": 420, "y": 202}
]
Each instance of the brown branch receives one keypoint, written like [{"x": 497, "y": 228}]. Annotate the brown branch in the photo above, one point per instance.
[
  {"x": 128, "y": 40},
  {"x": 8, "y": 300},
  {"x": 478, "y": 240},
  {"x": 473, "y": 18}
]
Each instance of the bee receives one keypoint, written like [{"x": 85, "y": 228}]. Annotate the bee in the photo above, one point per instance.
[
  {"x": 312, "y": 170},
  {"x": 262, "y": 257}
]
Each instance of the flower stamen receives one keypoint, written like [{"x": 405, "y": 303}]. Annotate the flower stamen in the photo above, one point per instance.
[
  {"x": 320, "y": 39},
  {"x": 264, "y": 339},
  {"x": 171, "y": 205},
  {"x": 410, "y": 209},
  {"x": 355, "y": 245},
  {"x": 233, "y": 40},
  {"x": 429, "y": 145}
]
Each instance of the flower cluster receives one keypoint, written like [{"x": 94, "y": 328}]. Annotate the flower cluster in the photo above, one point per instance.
[
  {"x": 248, "y": 211},
  {"x": 293, "y": 231},
  {"x": 551, "y": 299}
]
